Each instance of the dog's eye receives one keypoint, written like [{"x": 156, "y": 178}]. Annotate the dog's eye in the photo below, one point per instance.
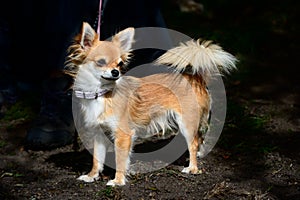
[{"x": 101, "y": 62}]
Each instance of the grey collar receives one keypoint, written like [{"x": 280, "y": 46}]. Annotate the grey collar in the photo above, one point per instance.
[{"x": 90, "y": 95}]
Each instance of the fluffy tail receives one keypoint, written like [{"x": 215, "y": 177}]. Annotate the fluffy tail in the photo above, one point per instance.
[{"x": 199, "y": 58}]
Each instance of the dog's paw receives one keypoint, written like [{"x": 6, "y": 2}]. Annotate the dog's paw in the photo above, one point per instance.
[
  {"x": 87, "y": 178},
  {"x": 115, "y": 182},
  {"x": 188, "y": 170}
]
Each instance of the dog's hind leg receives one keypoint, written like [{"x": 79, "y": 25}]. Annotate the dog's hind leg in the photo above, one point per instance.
[
  {"x": 99, "y": 153},
  {"x": 192, "y": 139},
  {"x": 123, "y": 142}
]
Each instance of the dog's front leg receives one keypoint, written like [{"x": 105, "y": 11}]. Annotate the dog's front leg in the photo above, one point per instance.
[
  {"x": 99, "y": 153},
  {"x": 122, "y": 151}
]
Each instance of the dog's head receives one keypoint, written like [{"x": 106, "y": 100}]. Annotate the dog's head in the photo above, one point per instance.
[{"x": 106, "y": 58}]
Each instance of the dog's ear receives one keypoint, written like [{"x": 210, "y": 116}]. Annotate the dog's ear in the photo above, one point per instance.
[
  {"x": 88, "y": 36},
  {"x": 124, "y": 39}
]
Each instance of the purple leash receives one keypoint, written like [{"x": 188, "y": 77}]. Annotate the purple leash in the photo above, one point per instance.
[{"x": 99, "y": 17}]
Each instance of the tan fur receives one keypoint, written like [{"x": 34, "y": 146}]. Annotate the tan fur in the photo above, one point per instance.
[{"x": 137, "y": 107}]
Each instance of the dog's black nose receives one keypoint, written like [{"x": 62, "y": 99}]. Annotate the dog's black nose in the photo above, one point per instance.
[{"x": 115, "y": 73}]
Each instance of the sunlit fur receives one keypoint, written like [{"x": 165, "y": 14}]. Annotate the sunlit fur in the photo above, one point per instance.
[
  {"x": 200, "y": 57},
  {"x": 140, "y": 107}
]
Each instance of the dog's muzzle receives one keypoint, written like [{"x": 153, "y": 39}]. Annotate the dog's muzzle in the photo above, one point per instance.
[{"x": 115, "y": 75}]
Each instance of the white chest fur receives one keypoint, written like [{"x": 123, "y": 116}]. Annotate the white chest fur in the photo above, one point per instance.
[{"x": 92, "y": 111}]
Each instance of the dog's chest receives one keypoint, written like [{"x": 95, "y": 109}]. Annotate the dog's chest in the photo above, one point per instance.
[
  {"x": 93, "y": 109},
  {"x": 97, "y": 114}
]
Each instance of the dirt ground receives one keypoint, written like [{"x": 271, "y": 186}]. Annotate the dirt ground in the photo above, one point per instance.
[{"x": 257, "y": 155}]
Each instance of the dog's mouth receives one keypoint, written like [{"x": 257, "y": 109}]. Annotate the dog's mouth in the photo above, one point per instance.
[{"x": 110, "y": 78}]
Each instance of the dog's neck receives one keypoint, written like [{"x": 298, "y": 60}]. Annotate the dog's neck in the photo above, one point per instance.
[{"x": 90, "y": 95}]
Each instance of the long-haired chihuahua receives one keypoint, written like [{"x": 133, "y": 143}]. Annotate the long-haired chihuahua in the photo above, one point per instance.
[{"x": 123, "y": 108}]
